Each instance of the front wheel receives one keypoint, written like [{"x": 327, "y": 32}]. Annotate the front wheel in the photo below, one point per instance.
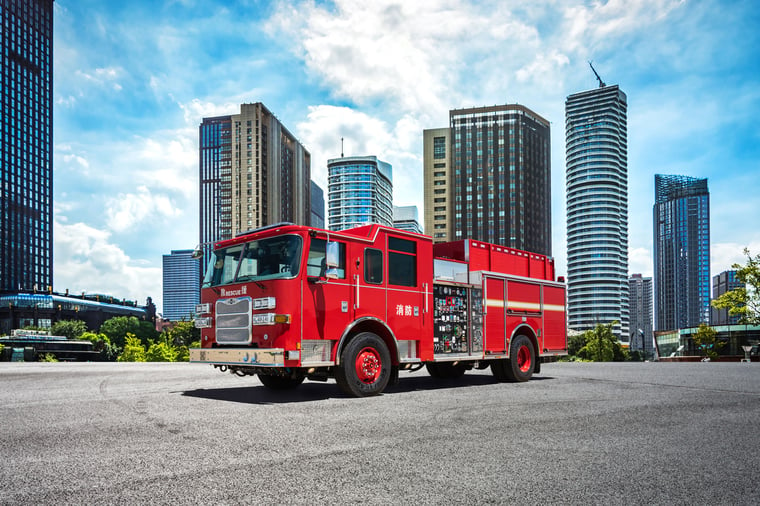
[{"x": 365, "y": 366}]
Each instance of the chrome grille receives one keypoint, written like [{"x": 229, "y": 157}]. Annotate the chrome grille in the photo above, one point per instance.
[{"x": 233, "y": 321}]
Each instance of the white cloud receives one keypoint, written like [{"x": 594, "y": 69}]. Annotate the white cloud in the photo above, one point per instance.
[
  {"x": 588, "y": 27},
  {"x": 196, "y": 109},
  {"x": 86, "y": 261},
  {"x": 640, "y": 261},
  {"x": 724, "y": 255},
  {"x": 102, "y": 76},
  {"x": 130, "y": 210}
]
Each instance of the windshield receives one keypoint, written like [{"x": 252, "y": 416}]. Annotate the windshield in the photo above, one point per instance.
[{"x": 271, "y": 258}]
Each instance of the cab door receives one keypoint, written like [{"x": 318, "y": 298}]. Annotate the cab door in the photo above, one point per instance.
[
  {"x": 409, "y": 294},
  {"x": 327, "y": 302}
]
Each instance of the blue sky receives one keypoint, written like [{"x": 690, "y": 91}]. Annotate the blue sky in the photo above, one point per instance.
[{"x": 133, "y": 81}]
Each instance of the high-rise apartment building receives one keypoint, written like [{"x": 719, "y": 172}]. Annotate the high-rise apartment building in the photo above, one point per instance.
[
  {"x": 26, "y": 145},
  {"x": 437, "y": 188},
  {"x": 253, "y": 172},
  {"x": 359, "y": 191},
  {"x": 724, "y": 282},
  {"x": 641, "y": 310},
  {"x": 681, "y": 252},
  {"x": 597, "y": 209},
  {"x": 181, "y": 276},
  {"x": 488, "y": 177},
  {"x": 407, "y": 218}
]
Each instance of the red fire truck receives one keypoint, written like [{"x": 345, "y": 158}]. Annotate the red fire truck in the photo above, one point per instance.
[{"x": 289, "y": 302}]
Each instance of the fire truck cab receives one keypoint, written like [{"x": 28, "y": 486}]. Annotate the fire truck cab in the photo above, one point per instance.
[{"x": 290, "y": 302}]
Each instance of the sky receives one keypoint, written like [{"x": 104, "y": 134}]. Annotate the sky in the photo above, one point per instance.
[{"x": 133, "y": 81}]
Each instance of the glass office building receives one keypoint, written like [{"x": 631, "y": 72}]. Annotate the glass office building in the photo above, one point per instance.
[
  {"x": 26, "y": 145},
  {"x": 681, "y": 252},
  {"x": 181, "y": 276},
  {"x": 597, "y": 209},
  {"x": 360, "y": 191}
]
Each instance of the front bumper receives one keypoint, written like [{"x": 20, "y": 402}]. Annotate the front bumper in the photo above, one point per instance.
[{"x": 269, "y": 357}]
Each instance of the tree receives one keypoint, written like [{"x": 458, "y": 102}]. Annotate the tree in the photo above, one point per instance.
[
  {"x": 575, "y": 342},
  {"x": 706, "y": 339},
  {"x": 744, "y": 301},
  {"x": 602, "y": 345},
  {"x": 71, "y": 329},
  {"x": 101, "y": 343},
  {"x": 182, "y": 334},
  {"x": 118, "y": 327}
]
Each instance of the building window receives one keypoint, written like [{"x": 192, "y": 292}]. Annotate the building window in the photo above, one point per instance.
[{"x": 439, "y": 147}]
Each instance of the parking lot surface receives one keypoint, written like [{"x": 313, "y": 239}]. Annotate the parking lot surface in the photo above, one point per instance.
[{"x": 631, "y": 433}]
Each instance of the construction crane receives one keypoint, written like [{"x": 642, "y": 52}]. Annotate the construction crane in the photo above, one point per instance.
[{"x": 601, "y": 83}]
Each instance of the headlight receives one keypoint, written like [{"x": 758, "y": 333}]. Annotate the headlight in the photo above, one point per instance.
[
  {"x": 203, "y": 308},
  {"x": 264, "y": 303},
  {"x": 203, "y": 323},
  {"x": 269, "y": 319}
]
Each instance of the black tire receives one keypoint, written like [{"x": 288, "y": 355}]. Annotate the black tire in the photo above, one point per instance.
[
  {"x": 498, "y": 369},
  {"x": 522, "y": 359},
  {"x": 281, "y": 382},
  {"x": 446, "y": 370},
  {"x": 432, "y": 369},
  {"x": 365, "y": 366},
  {"x": 521, "y": 363}
]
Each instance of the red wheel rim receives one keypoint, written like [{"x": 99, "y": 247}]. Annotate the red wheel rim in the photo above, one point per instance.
[
  {"x": 368, "y": 365},
  {"x": 523, "y": 358}
]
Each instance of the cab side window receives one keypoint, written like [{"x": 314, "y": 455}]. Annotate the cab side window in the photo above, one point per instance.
[
  {"x": 316, "y": 264},
  {"x": 402, "y": 262},
  {"x": 373, "y": 266}
]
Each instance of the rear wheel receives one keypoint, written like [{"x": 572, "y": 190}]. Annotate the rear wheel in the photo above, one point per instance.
[
  {"x": 520, "y": 364},
  {"x": 445, "y": 370},
  {"x": 281, "y": 382},
  {"x": 365, "y": 366}
]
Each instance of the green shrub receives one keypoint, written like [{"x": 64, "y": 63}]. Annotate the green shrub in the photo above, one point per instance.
[{"x": 133, "y": 350}]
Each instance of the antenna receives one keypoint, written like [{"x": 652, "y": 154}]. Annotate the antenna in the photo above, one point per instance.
[
  {"x": 601, "y": 83},
  {"x": 341, "y": 147}
]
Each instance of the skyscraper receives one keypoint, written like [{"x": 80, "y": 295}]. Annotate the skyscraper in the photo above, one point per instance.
[
  {"x": 317, "y": 206},
  {"x": 181, "y": 276},
  {"x": 681, "y": 252},
  {"x": 253, "y": 172},
  {"x": 360, "y": 191},
  {"x": 437, "y": 174},
  {"x": 488, "y": 177},
  {"x": 406, "y": 218},
  {"x": 26, "y": 144},
  {"x": 597, "y": 209},
  {"x": 640, "y": 299},
  {"x": 724, "y": 282}
]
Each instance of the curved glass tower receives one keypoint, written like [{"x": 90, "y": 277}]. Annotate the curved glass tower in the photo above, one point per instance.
[
  {"x": 597, "y": 209},
  {"x": 360, "y": 191}
]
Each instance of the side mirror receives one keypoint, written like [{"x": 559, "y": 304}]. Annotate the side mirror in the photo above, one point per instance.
[
  {"x": 332, "y": 254},
  {"x": 197, "y": 252}
]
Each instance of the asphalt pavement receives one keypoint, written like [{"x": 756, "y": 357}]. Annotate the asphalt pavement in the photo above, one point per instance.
[{"x": 646, "y": 433}]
